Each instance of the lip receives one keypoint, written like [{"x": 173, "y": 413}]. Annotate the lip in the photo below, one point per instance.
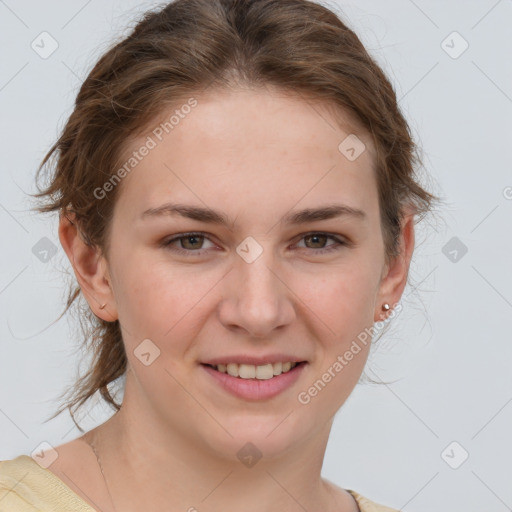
[
  {"x": 255, "y": 360},
  {"x": 255, "y": 389}
]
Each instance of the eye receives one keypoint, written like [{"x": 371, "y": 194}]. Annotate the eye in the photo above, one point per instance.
[
  {"x": 189, "y": 242},
  {"x": 192, "y": 243},
  {"x": 321, "y": 238}
]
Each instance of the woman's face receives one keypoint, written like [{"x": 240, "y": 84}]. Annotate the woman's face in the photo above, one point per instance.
[{"x": 269, "y": 285}]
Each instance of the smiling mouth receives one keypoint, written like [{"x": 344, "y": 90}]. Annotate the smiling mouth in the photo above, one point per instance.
[{"x": 250, "y": 371}]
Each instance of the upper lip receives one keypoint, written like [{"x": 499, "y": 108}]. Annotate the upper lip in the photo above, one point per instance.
[{"x": 254, "y": 360}]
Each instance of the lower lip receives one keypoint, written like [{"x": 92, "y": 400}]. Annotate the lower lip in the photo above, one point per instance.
[{"x": 256, "y": 389}]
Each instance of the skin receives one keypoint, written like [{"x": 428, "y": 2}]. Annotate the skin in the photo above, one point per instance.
[{"x": 255, "y": 155}]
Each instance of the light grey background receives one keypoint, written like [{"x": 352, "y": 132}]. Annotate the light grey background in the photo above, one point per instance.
[{"x": 450, "y": 349}]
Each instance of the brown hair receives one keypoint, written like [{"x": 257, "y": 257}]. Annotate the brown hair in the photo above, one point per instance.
[{"x": 190, "y": 46}]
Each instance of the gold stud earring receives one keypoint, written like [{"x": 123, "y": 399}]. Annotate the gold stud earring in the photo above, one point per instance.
[{"x": 103, "y": 305}]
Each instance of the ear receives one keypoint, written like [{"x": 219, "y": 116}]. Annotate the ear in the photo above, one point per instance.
[
  {"x": 394, "y": 276},
  {"x": 90, "y": 267}
]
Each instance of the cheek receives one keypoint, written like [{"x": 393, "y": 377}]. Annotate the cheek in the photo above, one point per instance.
[
  {"x": 343, "y": 307},
  {"x": 342, "y": 298},
  {"x": 160, "y": 302}
]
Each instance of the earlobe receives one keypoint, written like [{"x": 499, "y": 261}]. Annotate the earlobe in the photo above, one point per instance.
[{"x": 90, "y": 269}]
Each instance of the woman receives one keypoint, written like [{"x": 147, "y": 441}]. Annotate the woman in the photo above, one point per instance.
[{"x": 237, "y": 196}]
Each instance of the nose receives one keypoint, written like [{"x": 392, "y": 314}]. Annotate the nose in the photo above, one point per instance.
[{"x": 256, "y": 299}]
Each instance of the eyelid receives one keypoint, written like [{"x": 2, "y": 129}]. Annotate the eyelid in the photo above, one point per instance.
[
  {"x": 335, "y": 236},
  {"x": 166, "y": 242}
]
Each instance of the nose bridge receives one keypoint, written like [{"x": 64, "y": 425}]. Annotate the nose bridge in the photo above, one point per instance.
[
  {"x": 258, "y": 282},
  {"x": 258, "y": 279}
]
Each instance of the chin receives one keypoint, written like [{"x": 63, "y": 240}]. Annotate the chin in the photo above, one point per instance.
[{"x": 268, "y": 437}]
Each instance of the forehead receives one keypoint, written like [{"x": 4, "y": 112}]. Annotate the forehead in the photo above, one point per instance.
[{"x": 253, "y": 148}]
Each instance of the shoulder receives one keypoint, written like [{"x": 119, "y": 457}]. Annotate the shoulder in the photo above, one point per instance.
[
  {"x": 16, "y": 493},
  {"x": 25, "y": 486},
  {"x": 366, "y": 505}
]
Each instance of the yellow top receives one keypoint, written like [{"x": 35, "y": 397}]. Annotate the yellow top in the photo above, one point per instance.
[{"x": 25, "y": 486}]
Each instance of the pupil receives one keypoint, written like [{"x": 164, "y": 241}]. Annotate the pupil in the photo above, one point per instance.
[
  {"x": 316, "y": 237},
  {"x": 191, "y": 237}
]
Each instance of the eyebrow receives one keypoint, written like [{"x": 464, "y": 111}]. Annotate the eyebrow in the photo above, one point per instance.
[{"x": 210, "y": 216}]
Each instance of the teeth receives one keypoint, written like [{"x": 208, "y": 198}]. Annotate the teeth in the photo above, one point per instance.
[
  {"x": 232, "y": 369},
  {"x": 250, "y": 371},
  {"x": 247, "y": 371}
]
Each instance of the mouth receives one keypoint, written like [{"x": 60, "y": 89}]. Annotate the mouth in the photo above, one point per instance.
[
  {"x": 258, "y": 372},
  {"x": 255, "y": 382}
]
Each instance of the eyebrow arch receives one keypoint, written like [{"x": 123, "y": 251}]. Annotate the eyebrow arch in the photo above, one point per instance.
[{"x": 214, "y": 217}]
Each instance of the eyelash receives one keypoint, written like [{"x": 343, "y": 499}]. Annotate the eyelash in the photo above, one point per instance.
[{"x": 334, "y": 247}]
